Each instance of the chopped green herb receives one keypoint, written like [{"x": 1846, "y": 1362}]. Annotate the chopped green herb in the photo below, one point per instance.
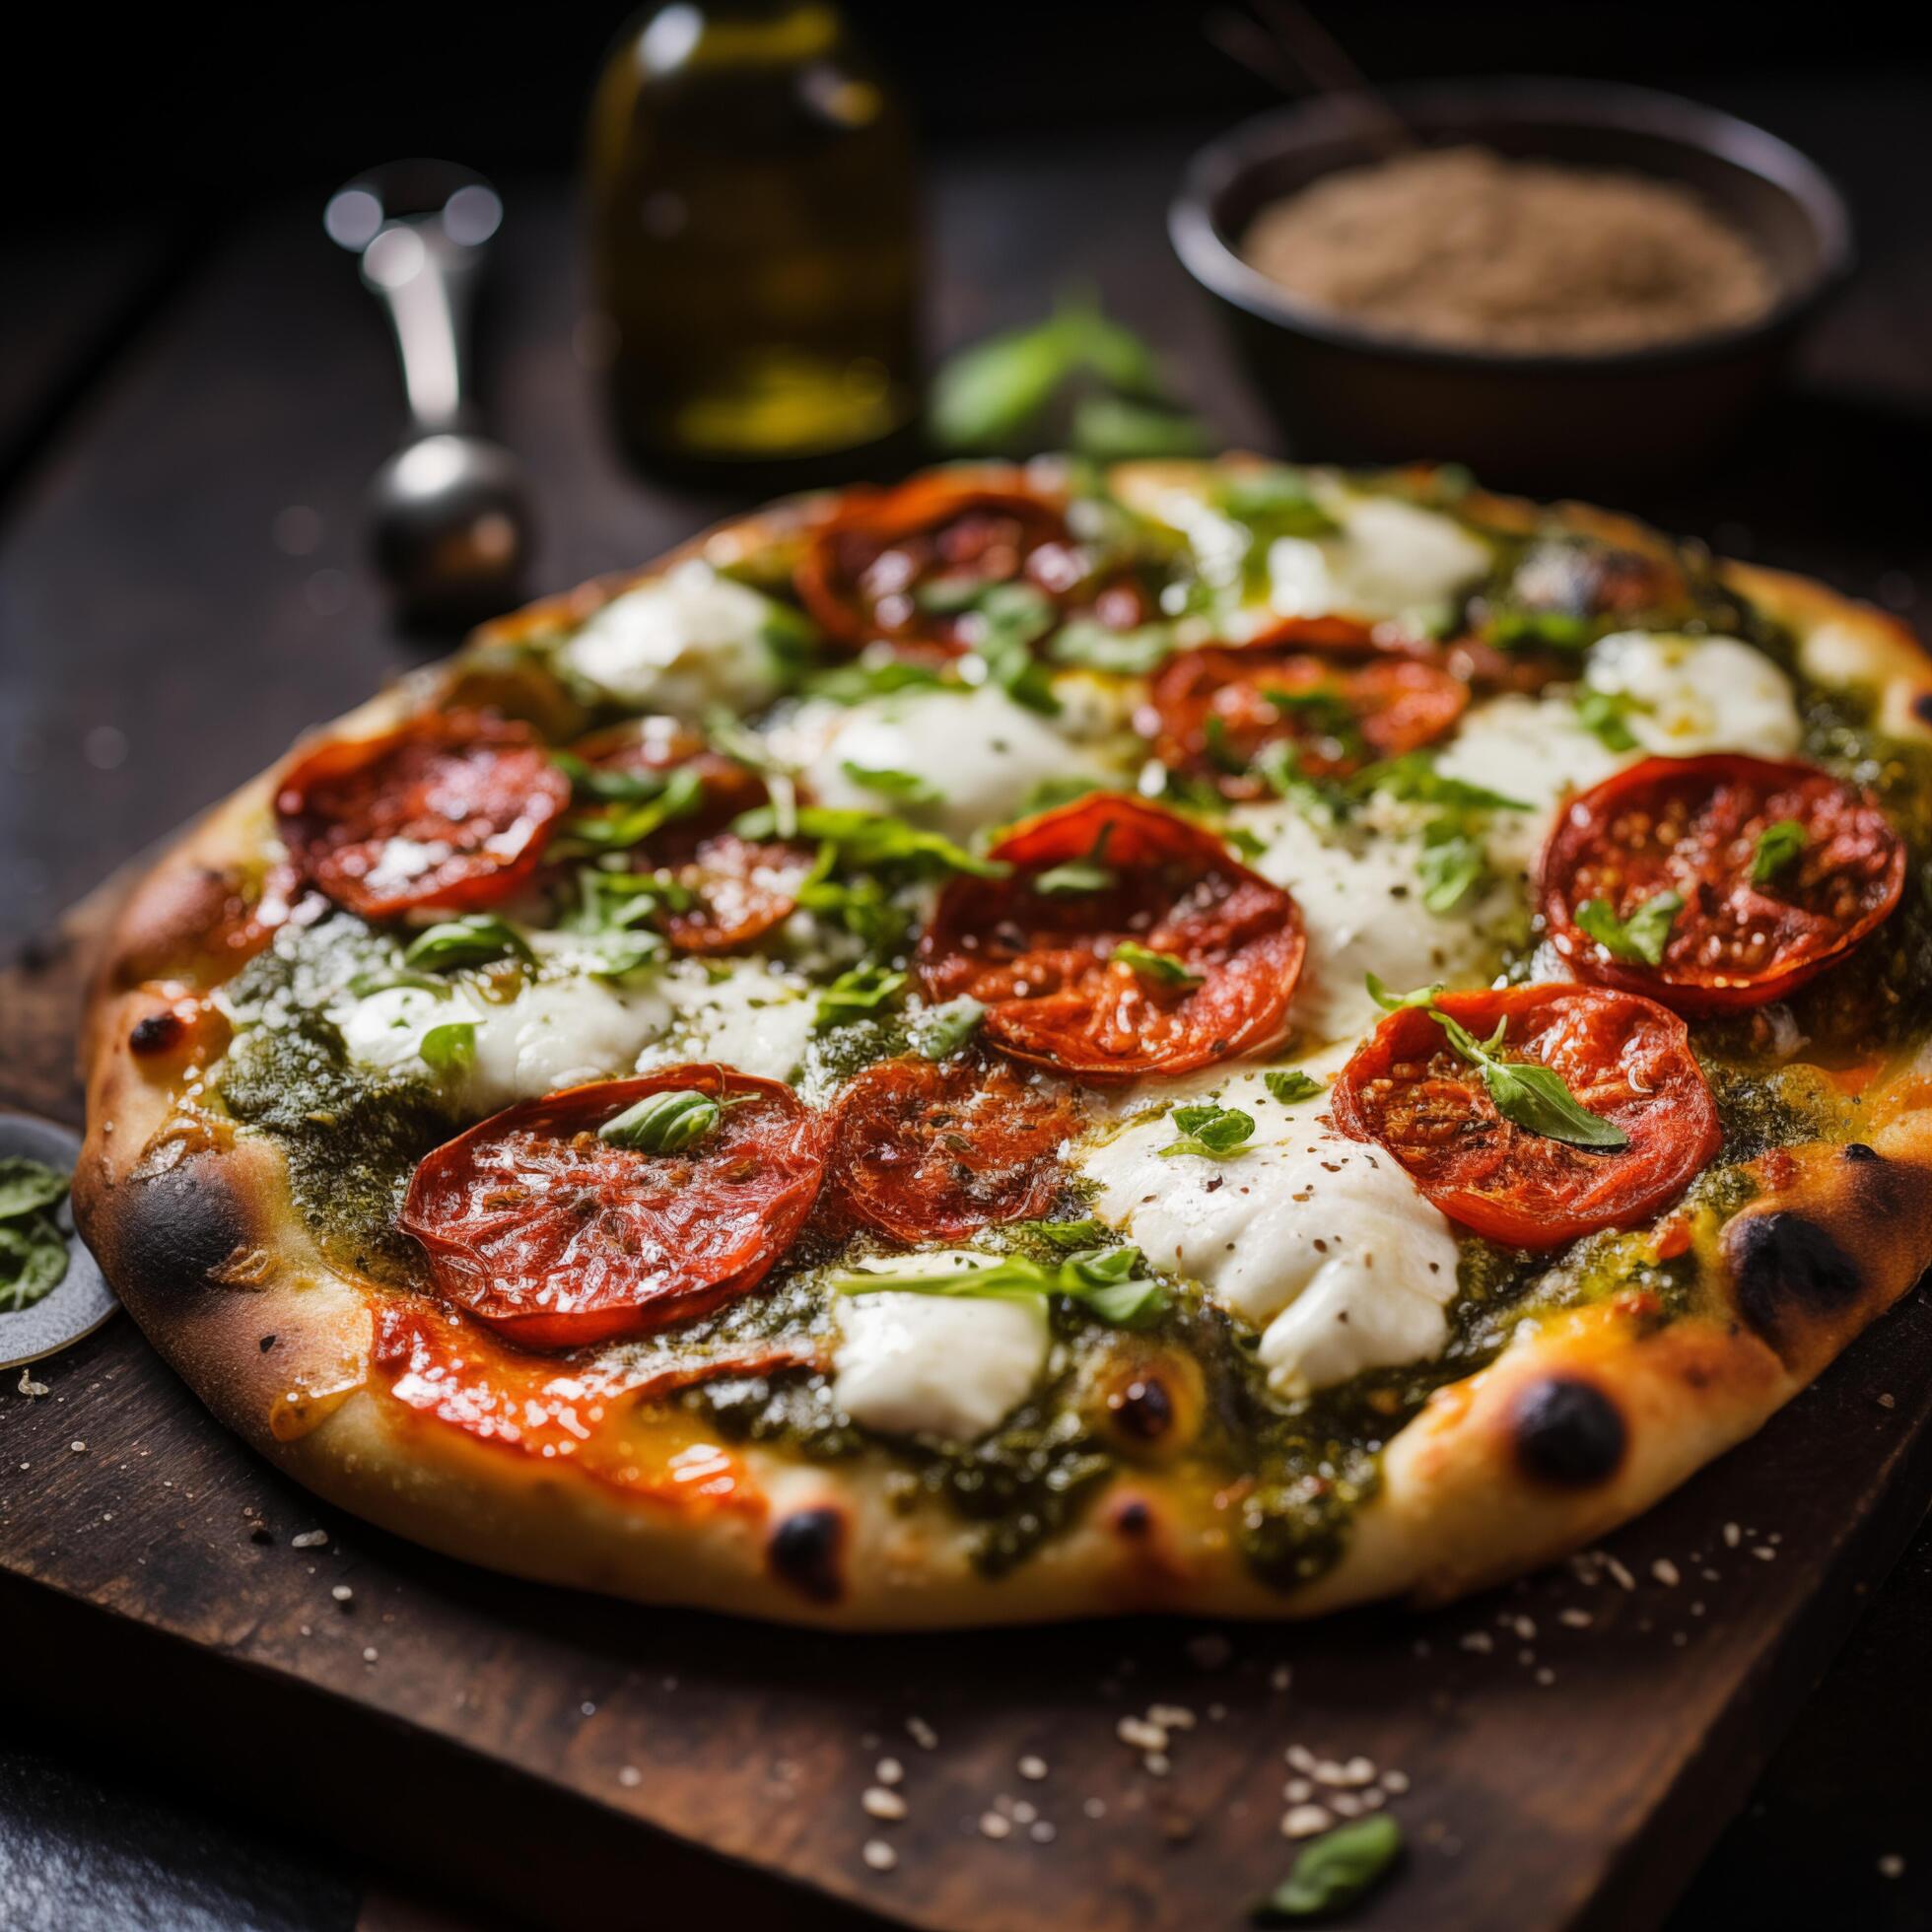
[
  {"x": 1779, "y": 846},
  {"x": 1106, "y": 1282},
  {"x": 1453, "y": 863},
  {"x": 1413, "y": 777},
  {"x": 1161, "y": 968},
  {"x": 1011, "y": 619},
  {"x": 448, "y": 1048},
  {"x": 864, "y": 839},
  {"x": 1290, "y": 1084},
  {"x": 941, "y": 1031},
  {"x": 474, "y": 940},
  {"x": 1066, "y": 1235},
  {"x": 1210, "y": 1131},
  {"x": 670, "y": 1122},
  {"x": 1525, "y": 1093},
  {"x": 857, "y": 994},
  {"x": 1095, "y": 647},
  {"x": 1335, "y": 1870},
  {"x": 854, "y": 683},
  {"x": 1642, "y": 936},
  {"x": 907, "y": 787},
  {"x": 679, "y": 794},
  {"x": 1606, "y": 714}
]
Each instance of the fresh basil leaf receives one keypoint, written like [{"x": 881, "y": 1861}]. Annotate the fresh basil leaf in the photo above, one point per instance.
[
  {"x": 1525, "y": 1093},
  {"x": 1413, "y": 776},
  {"x": 1453, "y": 863},
  {"x": 1278, "y": 497},
  {"x": 448, "y": 1048},
  {"x": 1160, "y": 968},
  {"x": 1012, "y": 618},
  {"x": 28, "y": 1186},
  {"x": 1108, "y": 1284},
  {"x": 1076, "y": 877},
  {"x": 855, "y": 683},
  {"x": 1395, "y": 1003},
  {"x": 1290, "y": 1084},
  {"x": 620, "y": 901},
  {"x": 1335, "y": 1870},
  {"x": 1112, "y": 351},
  {"x": 1064, "y": 1235},
  {"x": 941, "y": 1031},
  {"x": 987, "y": 396},
  {"x": 608, "y": 786},
  {"x": 678, "y": 797},
  {"x": 32, "y": 1260},
  {"x": 1210, "y": 1131},
  {"x": 1779, "y": 845},
  {"x": 1093, "y": 645},
  {"x": 617, "y": 954},
  {"x": 863, "y": 840},
  {"x": 474, "y": 940},
  {"x": 1115, "y": 429},
  {"x": 1604, "y": 713},
  {"x": 1642, "y": 936},
  {"x": 668, "y": 1123},
  {"x": 386, "y": 980},
  {"x": 857, "y": 994},
  {"x": 1560, "y": 630},
  {"x": 907, "y": 787}
]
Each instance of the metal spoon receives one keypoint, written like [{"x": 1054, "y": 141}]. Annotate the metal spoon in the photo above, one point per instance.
[{"x": 450, "y": 512}]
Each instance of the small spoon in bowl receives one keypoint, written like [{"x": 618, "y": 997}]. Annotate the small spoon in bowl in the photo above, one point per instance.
[{"x": 450, "y": 512}]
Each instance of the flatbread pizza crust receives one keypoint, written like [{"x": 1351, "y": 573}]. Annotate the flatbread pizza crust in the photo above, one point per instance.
[{"x": 1580, "y": 1423}]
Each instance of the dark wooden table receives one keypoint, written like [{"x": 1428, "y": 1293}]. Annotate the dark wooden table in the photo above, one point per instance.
[{"x": 182, "y": 443}]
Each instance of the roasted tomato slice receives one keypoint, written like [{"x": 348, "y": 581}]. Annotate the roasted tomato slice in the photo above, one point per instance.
[
  {"x": 558, "y": 1239},
  {"x": 1781, "y": 870},
  {"x": 740, "y": 888},
  {"x": 934, "y": 1151},
  {"x": 1179, "y": 958},
  {"x": 1320, "y": 684},
  {"x": 1622, "y": 1058},
  {"x": 881, "y": 567},
  {"x": 450, "y": 813}
]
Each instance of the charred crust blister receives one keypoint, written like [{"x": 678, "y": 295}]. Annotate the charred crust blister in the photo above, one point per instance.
[
  {"x": 1568, "y": 1432},
  {"x": 175, "y": 1230},
  {"x": 157, "y": 1033},
  {"x": 805, "y": 1551},
  {"x": 1784, "y": 1266},
  {"x": 1143, "y": 1410},
  {"x": 1857, "y": 1150}
]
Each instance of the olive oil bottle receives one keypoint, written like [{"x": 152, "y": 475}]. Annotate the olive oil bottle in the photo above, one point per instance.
[{"x": 754, "y": 238}]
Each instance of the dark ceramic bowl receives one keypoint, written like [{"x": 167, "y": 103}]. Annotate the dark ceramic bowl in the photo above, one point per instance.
[{"x": 1342, "y": 393}]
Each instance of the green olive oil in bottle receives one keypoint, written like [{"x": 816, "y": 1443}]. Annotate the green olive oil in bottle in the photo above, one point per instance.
[{"x": 754, "y": 238}]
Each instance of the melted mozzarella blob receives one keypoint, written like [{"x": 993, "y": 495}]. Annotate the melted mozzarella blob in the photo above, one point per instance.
[
  {"x": 981, "y": 753},
  {"x": 1697, "y": 694},
  {"x": 679, "y": 645},
  {"x": 1388, "y": 560},
  {"x": 952, "y": 1366},
  {"x": 1322, "y": 1243},
  {"x": 560, "y": 1033},
  {"x": 1534, "y": 750},
  {"x": 1360, "y": 896},
  {"x": 740, "y": 1015}
]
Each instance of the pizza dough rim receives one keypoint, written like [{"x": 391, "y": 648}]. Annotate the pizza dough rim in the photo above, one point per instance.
[{"x": 1469, "y": 1493}]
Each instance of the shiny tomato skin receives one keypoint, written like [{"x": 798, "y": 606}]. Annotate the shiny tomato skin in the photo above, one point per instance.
[
  {"x": 925, "y": 1150},
  {"x": 481, "y": 791},
  {"x": 863, "y": 566},
  {"x": 742, "y": 888},
  {"x": 1624, "y": 1058},
  {"x": 1043, "y": 965},
  {"x": 557, "y": 1239},
  {"x": 1691, "y": 825},
  {"x": 1210, "y": 708}
]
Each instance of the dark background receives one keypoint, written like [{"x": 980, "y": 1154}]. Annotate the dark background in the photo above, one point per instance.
[{"x": 147, "y": 151}]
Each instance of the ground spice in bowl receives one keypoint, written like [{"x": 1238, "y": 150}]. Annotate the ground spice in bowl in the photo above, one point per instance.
[{"x": 1464, "y": 248}]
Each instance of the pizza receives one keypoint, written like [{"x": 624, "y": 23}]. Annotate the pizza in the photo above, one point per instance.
[{"x": 1206, "y": 1037}]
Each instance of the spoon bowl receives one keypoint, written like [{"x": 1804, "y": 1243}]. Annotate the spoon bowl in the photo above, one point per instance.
[{"x": 450, "y": 526}]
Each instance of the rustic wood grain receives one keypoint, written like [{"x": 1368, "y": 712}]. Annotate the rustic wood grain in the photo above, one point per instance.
[{"x": 503, "y": 1733}]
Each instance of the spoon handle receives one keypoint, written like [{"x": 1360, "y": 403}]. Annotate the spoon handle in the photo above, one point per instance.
[{"x": 425, "y": 281}]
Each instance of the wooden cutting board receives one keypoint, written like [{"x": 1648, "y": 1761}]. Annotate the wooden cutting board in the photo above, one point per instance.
[{"x": 1571, "y": 1745}]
